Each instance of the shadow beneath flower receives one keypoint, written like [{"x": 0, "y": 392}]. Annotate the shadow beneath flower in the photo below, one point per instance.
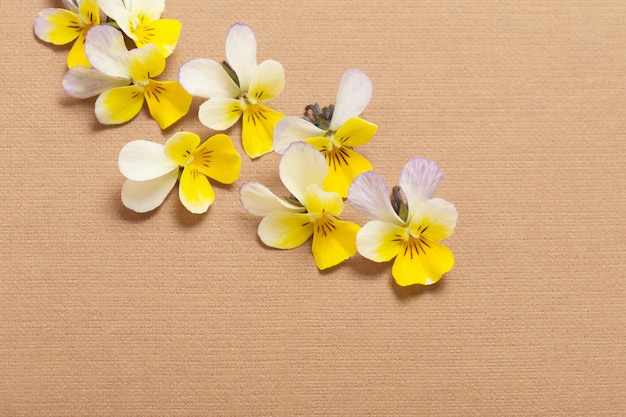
[
  {"x": 412, "y": 291},
  {"x": 127, "y": 214},
  {"x": 365, "y": 269},
  {"x": 186, "y": 218}
]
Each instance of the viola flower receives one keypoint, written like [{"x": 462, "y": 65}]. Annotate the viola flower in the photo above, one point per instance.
[
  {"x": 310, "y": 211},
  {"x": 141, "y": 21},
  {"x": 62, "y": 26},
  {"x": 237, "y": 88},
  {"x": 152, "y": 169},
  {"x": 335, "y": 131},
  {"x": 409, "y": 230},
  {"x": 123, "y": 80}
]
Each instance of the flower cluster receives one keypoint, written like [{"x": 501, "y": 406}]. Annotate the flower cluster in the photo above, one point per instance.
[
  {"x": 100, "y": 64},
  {"x": 319, "y": 166}
]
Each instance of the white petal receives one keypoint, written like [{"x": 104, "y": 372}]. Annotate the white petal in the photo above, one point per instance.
[
  {"x": 369, "y": 195},
  {"x": 419, "y": 179},
  {"x": 106, "y": 51},
  {"x": 257, "y": 199},
  {"x": 293, "y": 129},
  {"x": 149, "y": 9},
  {"x": 219, "y": 113},
  {"x": 301, "y": 166},
  {"x": 206, "y": 78},
  {"x": 354, "y": 94},
  {"x": 380, "y": 241},
  {"x": 109, "y": 6},
  {"x": 285, "y": 230},
  {"x": 143, "y": 196},
  {"x": 434, "y": 219},
  {"x": 141, "y": 160},
  {"x": 268, "y": 81},
  {"x": 241, "y": 53},
  {"x": 83, "y": 82}
]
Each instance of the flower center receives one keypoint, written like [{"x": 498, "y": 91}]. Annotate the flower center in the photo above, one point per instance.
[
  {"x": 324, "y": 225},
  {"x": 399, "y": 204},
  {"x": 414, "y": 245},
  {"x": 320, "y": 118}
]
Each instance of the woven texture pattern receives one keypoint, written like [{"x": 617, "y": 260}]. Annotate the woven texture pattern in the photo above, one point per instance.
[{"x": 522, "y": 104}]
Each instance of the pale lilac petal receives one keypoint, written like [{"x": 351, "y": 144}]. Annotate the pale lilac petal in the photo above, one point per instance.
[
  {"x": 419, "y": 179},
  {"x": 206, "y": 78},
  {"x": 301, "y": 166},
  {"x": 83, "y": 82},
  {"x": 354, "y": 94},
  {"x": 293, "y": 129},
  {"x": 141, "y": 160},
  {"x": 241, "y": 53},
  {"x": 369, "y": 195},
  {"x": 69, "y": 4},
  {"x": 144, "y": 196},
  {"x": 106, "y": 51},
  {"x": 257, "y": 199}
]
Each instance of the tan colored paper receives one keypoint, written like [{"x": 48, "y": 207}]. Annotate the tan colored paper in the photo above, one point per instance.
[{"x": 523, "y": 105}]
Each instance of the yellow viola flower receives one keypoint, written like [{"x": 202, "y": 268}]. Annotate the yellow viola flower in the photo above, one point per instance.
[
  {"x": 62, "y": 26},
  {"x": 123, "y": 80},
  {"x": 237, "y": 89},
  {"x": 310, "y": 211},
  {"x": 141, "y": 21},
  {"x": 407, "y": 230},
  {"x": 335, "y": 131},
  {"x": 152, "y": 169}
]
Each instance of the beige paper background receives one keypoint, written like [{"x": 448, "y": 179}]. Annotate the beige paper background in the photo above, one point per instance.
[{"x": 523, "y": 105}]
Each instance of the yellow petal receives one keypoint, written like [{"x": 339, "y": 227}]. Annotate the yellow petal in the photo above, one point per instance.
[
  {"x": 334, "y": 241},
  {"x": 195, "y": 191},
  {"x": 163, "y": 33},
  {"x": 119, "y": 105},
  {"x": 145, "y": 63},
  {"x": 268, "y": 81},
  {"x": 180, "y": 147},
  {"x": 168, "y": 102},
  {"x": 258, "y": 129},
  {"x": 284, "y": 230},
  {"x": 217, "y": 158},
  {"x": 318, "y": 201},
  {"x": 421, "y": 261},
  {"x": 77, "y": 56},
  {"x": 89, "y": 11},
  {"x": 435, "y": 219},
  {"x": 58, "y": 26},
  {"x": 220, "y": 113},
  {"x": 344, "y": 166},
  {"x": 355, "y": 132},
  {"x": 380, "y": 241}
]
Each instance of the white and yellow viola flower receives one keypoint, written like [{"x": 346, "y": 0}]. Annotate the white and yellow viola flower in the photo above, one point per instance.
[
  {"x": 123, "y": 80},
  {"x": 62, "y": 26},
  {"x": 141, "y": 21},
  {"x": 335, "y": 131},
  {"x": 310, "y": 211},
  {"x": 152, "y": 169},
  {"x": 407, "y": 230},
  {"x": 237, "y": 88}
]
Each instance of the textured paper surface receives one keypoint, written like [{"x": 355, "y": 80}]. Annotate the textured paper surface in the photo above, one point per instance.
[{"x": 523, "y": 105}]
